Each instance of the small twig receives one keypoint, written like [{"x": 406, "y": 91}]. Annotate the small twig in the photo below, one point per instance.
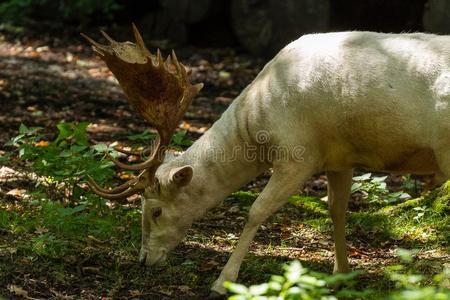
[{"x": 290, "y": 248}]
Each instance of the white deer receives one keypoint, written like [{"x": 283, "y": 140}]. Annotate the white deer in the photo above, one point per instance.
[{"x": 327, "y": 102}]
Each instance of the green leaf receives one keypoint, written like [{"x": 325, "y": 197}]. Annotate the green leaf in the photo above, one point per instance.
[
  {"x": 23, "y": 129},
  {"x": 80, "y": 133},
  {"x": 342, "y": 277},
  {"x": 294, "y": 271},
  {"x": 382, "y": 186},
  {"x": 296, "y": 291},
  {"x": 100, "y": 148},
  {"x": 68, "y": 211},
  {"x": 65, "y": 131},
  {"x": 406, "y": 255},
  {"x": 274, "y": 285},
  {"x": 237, "y": 297},
  {"x": 379, "y": 179},
  {"x": 78, "y": 148},
  {"x": 363, "y": 177},
  {"x": 312, "y": 281},
  {"x": 277, "y": 278},
  {"x": 14, "y": 141},
  {"x": 236, "y": 288},
  {"x": 62, "y": 173},
  {"x": 65, "y": 153},
  {"x": 180, "y": 139},
  {"x": 145, "y": 136},
  {"x": 261, "y": 289},
  {"x": 356, "y": 187}
]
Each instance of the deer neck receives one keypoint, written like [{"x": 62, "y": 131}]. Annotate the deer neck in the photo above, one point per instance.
[{"x": 221, "y": 159}]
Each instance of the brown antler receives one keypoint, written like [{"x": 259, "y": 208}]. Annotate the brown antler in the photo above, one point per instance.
[{"x": 159, "y": 90}]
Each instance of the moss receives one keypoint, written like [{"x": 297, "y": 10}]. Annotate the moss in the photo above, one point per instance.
[
  {"x": 313, "y": 206},
  {"x": 245, "y": 195},
  {"x": 441, "y": 203},
  {"x": 244, "y": 199}
]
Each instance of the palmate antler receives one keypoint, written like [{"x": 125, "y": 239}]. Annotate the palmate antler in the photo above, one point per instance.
[{"x": 159, "y": 90}]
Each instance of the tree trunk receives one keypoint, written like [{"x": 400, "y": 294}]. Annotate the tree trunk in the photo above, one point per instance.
[
  {"x": 162, "y": 30},
  {"x": 187, "y": 11},
  {"x": 437, "y": 16},
  {"x": 263, "y": 27}
]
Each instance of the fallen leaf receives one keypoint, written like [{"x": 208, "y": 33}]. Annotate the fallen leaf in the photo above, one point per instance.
[
  {"x": 17, "y": 290},
  {"x": 17, "y": 193},
  {"x": 135, "y": 293},
  {"x": 40, "y": 230},
  {"x": 126, "y": 176},
  {"x": 184, "y": 289},
  {"x": 209, "y": 265},
  {"x": 42, "y": 144}
]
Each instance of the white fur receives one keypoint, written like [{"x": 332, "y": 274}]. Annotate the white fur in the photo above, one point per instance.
[{"x": 340, "y": 100}]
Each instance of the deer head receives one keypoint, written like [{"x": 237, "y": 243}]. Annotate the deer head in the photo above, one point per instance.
[{"x": 161, "y": 92}]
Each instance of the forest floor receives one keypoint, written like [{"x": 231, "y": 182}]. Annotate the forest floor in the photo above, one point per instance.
[{"x": 49, "y": 249}]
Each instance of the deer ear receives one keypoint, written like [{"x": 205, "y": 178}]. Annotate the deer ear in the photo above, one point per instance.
[{"x": 181, "y": 176}]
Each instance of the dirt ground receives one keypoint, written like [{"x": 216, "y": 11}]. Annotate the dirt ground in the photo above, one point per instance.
[{"x": 44, "y": 81}]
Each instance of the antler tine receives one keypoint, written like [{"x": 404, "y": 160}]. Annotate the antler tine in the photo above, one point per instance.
[
  {"x": 119, "y": 196},
  {"x": 115, "y": 190},
  {"x": 156, "y": 157},
  {"x": 159, "y": 59},
  {"x": 176, "y": 62},
  {"x": 168, "y": 61},
  {"x": 131, "y": 187},
  {"x": 96, "y": 46},
  {"x": 144, "y": 152},
  {"x": 108, "y": 38},
  {"x": 169, "y": 65},
  {"x": 139, "y": 40}
]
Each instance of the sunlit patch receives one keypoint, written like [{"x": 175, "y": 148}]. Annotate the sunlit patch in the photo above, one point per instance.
[
  {"x": 442, "y": 90},
  {"x": 440, "y": 105}
]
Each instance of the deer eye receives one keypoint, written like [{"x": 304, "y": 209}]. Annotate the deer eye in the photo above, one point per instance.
[{"x": 156, "y": 212}]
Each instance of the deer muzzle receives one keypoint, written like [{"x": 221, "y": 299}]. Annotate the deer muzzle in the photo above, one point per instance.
[{"x": 151, "y": 258}]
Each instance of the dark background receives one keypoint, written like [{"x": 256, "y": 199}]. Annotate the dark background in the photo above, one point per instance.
[{"x": 260, "y": 27}]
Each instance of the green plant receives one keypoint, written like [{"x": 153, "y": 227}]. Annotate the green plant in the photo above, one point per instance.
[
  {"x": 21, "y": 11},
  {"x": 375, "y": 189},
  {"x": 144, "y": 136},
  {"x": 413, "y": 286},
  {"x": 178, "y": 140},
  {"x": 300, "y": 283},
  {"x": 297, "y": 283},
  {"x": 410, "y": 184},
  {"x": 68, "y": 159},
  {"x": 421, "y": 210},
  {"x": 16, "y": 10}
]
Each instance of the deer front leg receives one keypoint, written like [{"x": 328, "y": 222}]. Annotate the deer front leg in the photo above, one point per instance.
[
  {"x": 281, "y": 185},
  {"x": 339, "y": 184}
]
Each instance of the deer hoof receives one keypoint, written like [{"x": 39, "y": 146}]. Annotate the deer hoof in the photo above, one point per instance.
[{"x": 213, "y": 295}]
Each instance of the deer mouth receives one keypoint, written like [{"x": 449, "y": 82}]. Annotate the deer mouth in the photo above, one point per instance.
[{"x": 145, "y": 259}]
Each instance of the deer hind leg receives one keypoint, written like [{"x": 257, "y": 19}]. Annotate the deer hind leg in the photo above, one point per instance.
[
  {"x": 339, "y": 184},
  {"x": 443, "y": 160},
  {"x": 283, "y": 183}
]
